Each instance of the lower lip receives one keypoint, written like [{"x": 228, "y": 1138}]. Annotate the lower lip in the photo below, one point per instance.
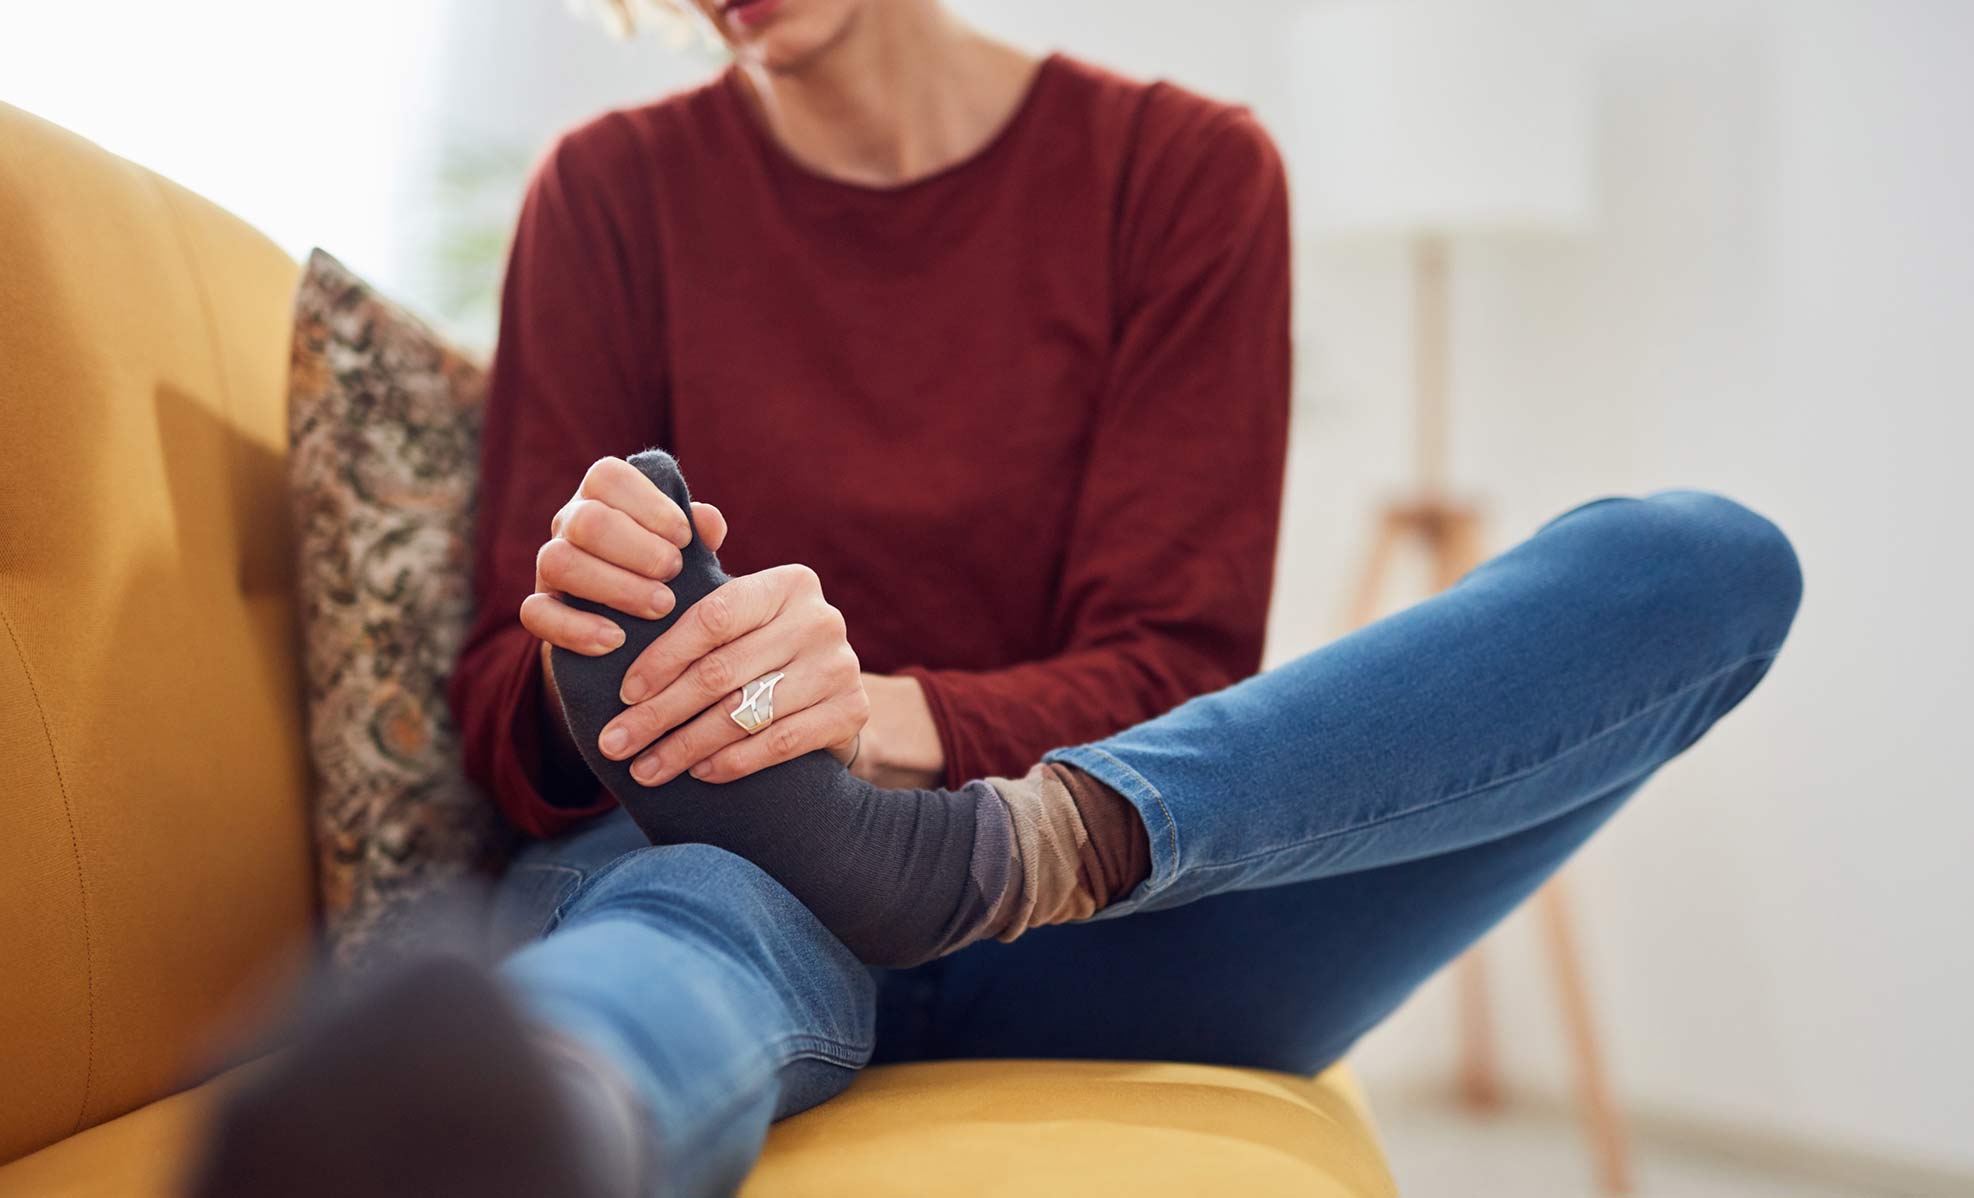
[{"x": 754, "y": 12}]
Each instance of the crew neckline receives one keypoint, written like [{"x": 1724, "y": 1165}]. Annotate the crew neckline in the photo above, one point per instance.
[{"x": 786, "y": 163}]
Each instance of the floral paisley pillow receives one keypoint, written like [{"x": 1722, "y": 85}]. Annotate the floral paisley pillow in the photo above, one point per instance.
[{"x": 384, "y": 425}]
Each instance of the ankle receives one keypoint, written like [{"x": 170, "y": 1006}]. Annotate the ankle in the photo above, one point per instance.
[
  {"x": 1076, "y": 846},
  {"x": 1116, "y": 856}
]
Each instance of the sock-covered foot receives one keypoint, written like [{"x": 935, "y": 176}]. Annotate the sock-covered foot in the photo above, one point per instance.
[
  {"x": 900, "y": 876},
  {"x": 429, "y": 1086}
]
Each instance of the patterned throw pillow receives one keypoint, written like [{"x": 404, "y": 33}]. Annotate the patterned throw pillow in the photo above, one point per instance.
[{"x": 384, "y": 425}]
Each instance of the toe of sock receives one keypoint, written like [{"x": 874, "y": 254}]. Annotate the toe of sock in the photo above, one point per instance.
[{"x": 429, "y": 1086}]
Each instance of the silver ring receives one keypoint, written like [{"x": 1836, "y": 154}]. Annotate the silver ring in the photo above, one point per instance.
[{"x": 757, "y": 704}]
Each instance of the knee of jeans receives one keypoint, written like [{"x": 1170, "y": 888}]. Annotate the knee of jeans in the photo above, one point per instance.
[
  {"x": 1713, "y": 561},
  {"x": 694, "y": 877},
  {"x": 705, "y": 895}
]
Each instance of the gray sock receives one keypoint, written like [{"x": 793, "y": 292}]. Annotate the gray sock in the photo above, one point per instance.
[
  {"x": 614, "y": 1128},
  {"x": 899, "y": 876},
  {"x": 431, "y": 1083}
]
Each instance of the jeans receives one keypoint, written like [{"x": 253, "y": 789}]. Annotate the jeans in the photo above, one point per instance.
[{"x": 1323, "y": 837}]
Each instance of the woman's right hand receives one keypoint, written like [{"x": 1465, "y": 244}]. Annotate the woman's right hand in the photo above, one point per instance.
[{"x": 616, "y": 542}]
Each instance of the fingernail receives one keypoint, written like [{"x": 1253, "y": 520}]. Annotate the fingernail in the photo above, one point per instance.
[
  {"x": 645, "y": 771},
  {"x": 634, "y": 690},
  {"x": 661, "y": 600},
  {"x": 700, "y": 771},
  {"x": 612, "y": 638},
  {"x": 614, "y": 742}
]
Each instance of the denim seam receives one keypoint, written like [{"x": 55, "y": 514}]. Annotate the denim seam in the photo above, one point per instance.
[
  {"x": 554, "y": 917},
  {"x": 1505, "y": 779},
  {"x": 587, "y": 884},
  {"x": 1171, "y": 824},
  {"x": 807, "y": 1046},
  {"x": 1635, "y": 778}
]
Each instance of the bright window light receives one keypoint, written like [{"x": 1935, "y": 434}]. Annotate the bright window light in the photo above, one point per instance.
[{"x": 297, "y": 117}]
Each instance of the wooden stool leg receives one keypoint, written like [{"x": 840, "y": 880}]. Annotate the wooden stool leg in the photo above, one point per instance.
[
  {"x": 1456, "y": 544},
  {"x": 1480, "y": 1068},
  {"x": 1390, "y": 537},
  {"x": 1602, "y": 1124}
]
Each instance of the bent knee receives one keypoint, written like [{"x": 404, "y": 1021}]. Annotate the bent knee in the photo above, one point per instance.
[
  {"x": 1736, "y": 558},
  {"x": 687, "y": 876},
  {"x": 1701, "y": 558}
]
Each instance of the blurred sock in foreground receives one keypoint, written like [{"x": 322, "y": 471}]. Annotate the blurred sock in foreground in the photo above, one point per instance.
[{"x": 429, "y": 1086}]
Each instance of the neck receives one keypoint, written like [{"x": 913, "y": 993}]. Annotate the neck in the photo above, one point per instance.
[{"x": 904, "y": 91}]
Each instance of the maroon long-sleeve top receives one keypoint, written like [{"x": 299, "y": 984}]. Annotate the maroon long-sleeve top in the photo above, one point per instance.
[{"x": 1025, "y": 417}]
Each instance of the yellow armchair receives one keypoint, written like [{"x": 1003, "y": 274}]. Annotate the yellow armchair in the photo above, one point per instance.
[{"x": 155, "y": 868}]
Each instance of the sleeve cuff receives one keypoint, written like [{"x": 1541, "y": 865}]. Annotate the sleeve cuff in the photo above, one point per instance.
[
  {"x": 518, "y": 760},
  {"x": 958, "y": 769}
]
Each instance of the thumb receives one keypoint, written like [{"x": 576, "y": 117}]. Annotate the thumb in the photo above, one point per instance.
[{"x": 711, "y": 524}]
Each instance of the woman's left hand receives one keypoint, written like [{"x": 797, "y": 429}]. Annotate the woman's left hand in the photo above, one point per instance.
[{"x": 684, "y": 684}]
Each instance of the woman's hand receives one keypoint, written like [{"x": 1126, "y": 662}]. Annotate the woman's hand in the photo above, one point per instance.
[
  {"x": 684, "y": 684},
  {"x": 615, "y": 542}
]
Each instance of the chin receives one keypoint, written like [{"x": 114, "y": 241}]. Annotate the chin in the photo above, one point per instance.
[{"x": 787, "y": 37}]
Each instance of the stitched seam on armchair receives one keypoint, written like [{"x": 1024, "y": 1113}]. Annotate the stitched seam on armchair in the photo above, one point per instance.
[{"x": 81, "y": 879}]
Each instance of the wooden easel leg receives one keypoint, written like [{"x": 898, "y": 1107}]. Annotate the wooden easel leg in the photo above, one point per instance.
[
  {"x": 1456, "y": 543},
  {"x": 1390, "y": 537},
  {"x": 1602, "y": 1124},
  {"x": 1480, "y": 1069}
]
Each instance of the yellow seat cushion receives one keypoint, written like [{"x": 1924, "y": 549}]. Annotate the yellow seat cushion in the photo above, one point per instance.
[
  {"x": 1002, "y": 1129},
  {"x": 952, "y": 1129}
]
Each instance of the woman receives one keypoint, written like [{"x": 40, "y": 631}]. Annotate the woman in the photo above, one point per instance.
[{"x": 998, "y": 349}]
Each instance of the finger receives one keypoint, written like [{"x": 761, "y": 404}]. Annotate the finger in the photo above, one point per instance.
[
  {"x": 624, "y": 487},
  {"x": 610, "y": 534},
  {"x": 818, "y": 727},
  {"x": 707, "y": 681},
  {"x": 731, "y": 611},
  {"x": 687, "y": 746},
  {"x": 556, "y": 622},
  {"x": 708, "y": 733},
  {"x": 825, "y": 678},
  {"x": 711, "y": 523},
  {"x": 561, "y": 566}
]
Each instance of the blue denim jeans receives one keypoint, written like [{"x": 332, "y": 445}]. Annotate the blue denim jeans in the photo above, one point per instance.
[{"x": 1323, "y": 837}]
